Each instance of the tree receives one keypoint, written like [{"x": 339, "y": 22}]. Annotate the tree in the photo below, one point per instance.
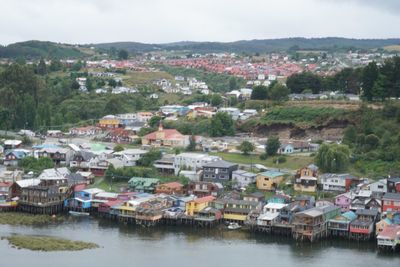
[
  {"x": 216, "y": 100},
  {"x": 113, "y": 106},
  {"x": 123, "y": 54},
  {"x": 233, "y": 83},
  {"x": 278, "y": 92},
  {"x": 259, "y": 92},
  {"x": 297, "y": 83},
  {"x": 154, "y": 121},
  {"x": 369, "y": 77},
  {"x": 272, "y": 145},
  {"x": 333, "y": 157},
  {"x": 36, "y": 165},
  {"x": 112, "y": 83},
  {"x": 350, "y": 136},
  {"x": 192, "y": 144},
  {"x": 222, "y": 124},
  {"x": 41, "y": 68},
  {"x": 55, "y": 65},
  {"x": 246, "y": 147},
  {"x": 118, "y": 148},
  {"x": 148, "y": 158}
]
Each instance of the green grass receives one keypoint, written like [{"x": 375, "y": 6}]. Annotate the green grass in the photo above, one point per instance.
[
  {"x": 47, "y": 243},
  {"x": 302, "y": 115},
  {"x": 14, "y": 218},
  {"x": 102, "y": 183},
  {"x": 137, "y": 78},
  {"x": 293, "y": 162}
]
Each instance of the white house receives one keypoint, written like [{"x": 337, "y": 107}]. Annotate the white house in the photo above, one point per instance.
[
  {"x": 233, "y": 112},
  {"x": 243, "y": 178},
  {"x": 192, "y": 161},
  {"x": 129, "y": 157},
  {"x": 378, "y": 187},
  {"x": 336, "y": 182}
]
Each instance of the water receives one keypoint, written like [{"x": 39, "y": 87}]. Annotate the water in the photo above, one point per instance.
[{"x": 172, "y": 246}]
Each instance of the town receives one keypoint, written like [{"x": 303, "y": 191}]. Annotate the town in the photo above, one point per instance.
[{"x": 89, "y": 170}]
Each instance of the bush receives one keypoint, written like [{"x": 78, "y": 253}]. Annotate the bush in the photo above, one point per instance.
[{"x": 264, "y": 156}]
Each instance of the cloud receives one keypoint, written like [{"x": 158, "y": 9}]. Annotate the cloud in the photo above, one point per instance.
[{"x": 158, "y": 21}]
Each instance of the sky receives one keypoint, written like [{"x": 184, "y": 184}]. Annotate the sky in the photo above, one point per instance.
[{"x": 163, "y": 21}]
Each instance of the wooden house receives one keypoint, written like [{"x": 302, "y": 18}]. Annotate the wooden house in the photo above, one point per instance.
[
  {"x": 312, "y": 224},
  {"x": 237, "y": 210},
  {"x": 45, "y": 198},
  {"x": 269, "y": 180},
  {"x": 389, "y": 238},
  {"x": 381, "y": 225},
  {"x": 363, "y": 227},
  {"x": 340, "y": 225},
  {"x": 208, "y": 216},
  {"x": 195, "y": 206},
  {"x": 306, "y": 179},
  {"x": 391, "y": 202},
  {"x": 202, "y": 189}
]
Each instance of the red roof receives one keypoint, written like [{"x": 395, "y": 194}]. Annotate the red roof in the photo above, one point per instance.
[
  {"x": 169, "y": 134},
  {"x": 390, "y": 231},
  {"x": 204, "y": 199},
  {"x": 6, "y": 184}
]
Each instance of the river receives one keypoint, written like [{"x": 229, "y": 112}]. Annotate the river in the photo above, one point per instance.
[{"x": 174, "y": 247}]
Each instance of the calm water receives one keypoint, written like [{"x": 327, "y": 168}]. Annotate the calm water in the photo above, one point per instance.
[{"x": 170, "y": 246}]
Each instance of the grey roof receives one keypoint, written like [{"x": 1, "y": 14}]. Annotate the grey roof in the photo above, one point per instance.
[
  {"x": 220, "y": 164},
  {"x": 367, "y": 212},
  {"x": 392, "y": 196},
  {"x": 394, "y": 180},
  {"x": 86, "y": 155}
]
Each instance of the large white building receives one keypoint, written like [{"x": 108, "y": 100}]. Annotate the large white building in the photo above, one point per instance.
[{"x": 192, "y": 161}]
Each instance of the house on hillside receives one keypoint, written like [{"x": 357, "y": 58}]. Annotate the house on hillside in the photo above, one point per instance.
[
  {"x": 165, "y": 137},
  {"x": 269, "y": 180},
  {"x": 218, "y": 171}
]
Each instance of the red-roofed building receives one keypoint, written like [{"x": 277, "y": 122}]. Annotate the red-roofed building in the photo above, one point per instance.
[
  {"x": 172, "y": 188},
  {"x": 165, "y": 137}
]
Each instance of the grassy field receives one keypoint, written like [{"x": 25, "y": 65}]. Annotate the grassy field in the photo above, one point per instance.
[
  {"x": 47, "y": 243},
  {"x": 293, "y": 162},
  {"x": 392, "y": 48},
  {"x": 137, "y": 78},
  {"x": 14, "y": 218},
  {"x": 105, "y": 185}
]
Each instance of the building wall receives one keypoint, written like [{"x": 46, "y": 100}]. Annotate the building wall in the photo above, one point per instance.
[{"x": 266, "y": 183}]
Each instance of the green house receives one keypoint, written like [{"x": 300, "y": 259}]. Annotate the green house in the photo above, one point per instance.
[{"x": 140, "y": 184}]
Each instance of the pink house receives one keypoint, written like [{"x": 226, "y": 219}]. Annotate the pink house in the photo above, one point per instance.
[{"x": 344, "y": 201}]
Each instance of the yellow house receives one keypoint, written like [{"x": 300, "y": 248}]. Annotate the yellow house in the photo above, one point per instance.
[
  {"x": 127, "y": 210},
  {"x": 269, "y": 180},
  {"x": 109, "y": 121},
  {"x": 193, "y": 207}
]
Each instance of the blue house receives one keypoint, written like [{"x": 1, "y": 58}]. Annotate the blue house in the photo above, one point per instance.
[
  {"x": 14, "y": 156},
  {"x": 82, "y": 200}
]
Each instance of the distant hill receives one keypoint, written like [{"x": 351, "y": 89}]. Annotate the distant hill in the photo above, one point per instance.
[
  {"x": 256, "y": 46},
  {"x": 38, "y": 49}
]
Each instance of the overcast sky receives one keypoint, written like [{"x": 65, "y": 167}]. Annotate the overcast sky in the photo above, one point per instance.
[{"x": 160, "y": 21}]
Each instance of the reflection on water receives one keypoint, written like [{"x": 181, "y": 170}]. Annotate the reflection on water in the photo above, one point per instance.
[{"x": 164, "y": 245}]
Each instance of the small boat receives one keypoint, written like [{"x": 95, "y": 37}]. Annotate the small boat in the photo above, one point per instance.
[
  {"x": 234, "y": 226},
  {"x": 77, "y": 213}
]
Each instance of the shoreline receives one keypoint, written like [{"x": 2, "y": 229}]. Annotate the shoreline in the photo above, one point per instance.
[{"x": 221, "y": 228}]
